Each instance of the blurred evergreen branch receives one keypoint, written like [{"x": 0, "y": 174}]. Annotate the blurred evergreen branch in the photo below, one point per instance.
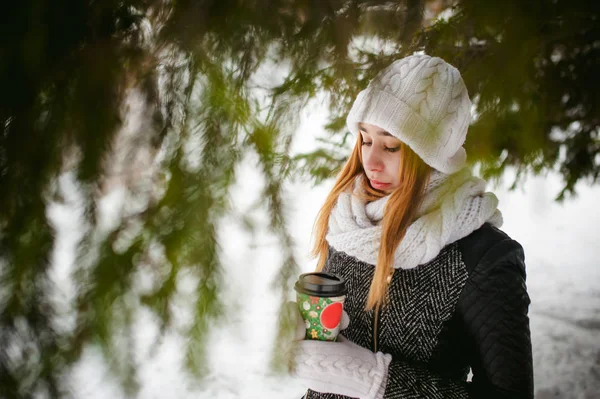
[{"x": 214, "y": 80}]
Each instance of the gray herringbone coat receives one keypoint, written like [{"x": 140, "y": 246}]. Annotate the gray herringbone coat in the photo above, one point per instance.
[{"x": 464, "y": 310}]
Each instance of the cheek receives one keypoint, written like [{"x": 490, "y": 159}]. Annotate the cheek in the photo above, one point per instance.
[{"x": 394, "y": 169}]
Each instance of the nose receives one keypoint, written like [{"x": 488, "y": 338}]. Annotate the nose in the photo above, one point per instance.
[{"x": 372, "y": 160}]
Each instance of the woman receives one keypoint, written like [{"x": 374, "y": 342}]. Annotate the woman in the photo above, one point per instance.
[{"x": 435, "y": 289}]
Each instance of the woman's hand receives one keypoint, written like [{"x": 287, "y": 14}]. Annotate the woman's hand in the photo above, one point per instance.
[{"x": 340, "y": 367}]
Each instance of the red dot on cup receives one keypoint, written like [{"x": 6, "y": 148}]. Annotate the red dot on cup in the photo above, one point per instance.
[{"x": 331, "y": 315}]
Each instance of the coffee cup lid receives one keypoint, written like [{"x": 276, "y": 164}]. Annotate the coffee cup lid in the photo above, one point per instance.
[{"x": 320, "y": 284}]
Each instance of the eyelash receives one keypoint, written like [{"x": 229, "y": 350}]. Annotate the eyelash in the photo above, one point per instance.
[{"x": 388, "y": 149}]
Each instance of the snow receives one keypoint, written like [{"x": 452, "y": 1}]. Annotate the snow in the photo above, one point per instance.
[{"x": 560, "y": 242}]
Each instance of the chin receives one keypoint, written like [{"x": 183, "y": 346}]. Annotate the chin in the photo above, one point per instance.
[{"x": 383, "y": 190}]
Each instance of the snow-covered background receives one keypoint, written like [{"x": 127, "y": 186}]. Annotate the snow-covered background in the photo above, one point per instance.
[{"x": 561, "y": 248}]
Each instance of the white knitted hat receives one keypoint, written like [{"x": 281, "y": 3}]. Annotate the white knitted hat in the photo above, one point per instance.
[{"x": 422, "y": 101}]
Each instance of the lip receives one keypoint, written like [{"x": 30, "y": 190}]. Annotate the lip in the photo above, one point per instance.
[{"x": 379, "y": 185}]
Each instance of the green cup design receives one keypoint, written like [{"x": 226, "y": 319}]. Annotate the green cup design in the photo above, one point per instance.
[
  {"x": 322, "y": 316},
  {"x": 320, "y": 298}
]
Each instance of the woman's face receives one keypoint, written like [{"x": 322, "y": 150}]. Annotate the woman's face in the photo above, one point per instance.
[{"x": 380, "y": 157}]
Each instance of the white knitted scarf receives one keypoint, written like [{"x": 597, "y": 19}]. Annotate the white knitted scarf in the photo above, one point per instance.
[{"x": 453, "y": 207}]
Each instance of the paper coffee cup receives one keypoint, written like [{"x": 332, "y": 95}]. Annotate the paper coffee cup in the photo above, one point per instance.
[{"x": 320, "y": 298}]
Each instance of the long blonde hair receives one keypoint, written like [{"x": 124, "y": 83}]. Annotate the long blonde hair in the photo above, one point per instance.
[{"x": 400, "y": 211}]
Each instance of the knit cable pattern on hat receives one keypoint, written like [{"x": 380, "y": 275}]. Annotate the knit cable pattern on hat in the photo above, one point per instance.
[
  {"x": 423, "y": 102},
  {"x": 453, "y": 207}
]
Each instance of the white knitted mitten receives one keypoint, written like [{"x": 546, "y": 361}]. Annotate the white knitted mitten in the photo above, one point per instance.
[{"x": 342, "y": 368}]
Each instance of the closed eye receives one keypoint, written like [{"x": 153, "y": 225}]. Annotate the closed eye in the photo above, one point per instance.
[{"x": 388, "y": 149}]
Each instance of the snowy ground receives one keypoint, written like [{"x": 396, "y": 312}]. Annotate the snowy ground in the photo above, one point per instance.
[
  {"x": 561, "y": 250},
  {"x": 563, "y": 282}
]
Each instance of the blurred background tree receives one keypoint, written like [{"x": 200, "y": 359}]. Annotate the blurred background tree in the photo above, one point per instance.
[{"x": 165, "y": 99}]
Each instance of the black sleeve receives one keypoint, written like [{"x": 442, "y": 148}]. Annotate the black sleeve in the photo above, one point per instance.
[
  {"x": 494, "y": 306},
  {"x": 494, "y": 309}
]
